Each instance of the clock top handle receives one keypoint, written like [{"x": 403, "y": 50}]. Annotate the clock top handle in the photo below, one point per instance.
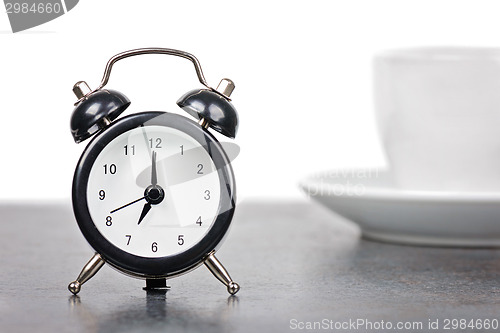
[
  {"x": 152, "y": 50},
  {"x": 96, "y": 109}
]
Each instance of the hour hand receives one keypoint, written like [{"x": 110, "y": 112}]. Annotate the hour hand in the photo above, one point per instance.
[{"x": 145, "y": 210}]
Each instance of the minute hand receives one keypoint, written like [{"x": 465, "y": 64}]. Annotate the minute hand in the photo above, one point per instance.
[
  {"x": 154, "y": 183},
  {"x": 154, "y": 177}
]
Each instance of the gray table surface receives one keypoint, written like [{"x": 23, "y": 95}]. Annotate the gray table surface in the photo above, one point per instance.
[{"x": 297, "y": 264}]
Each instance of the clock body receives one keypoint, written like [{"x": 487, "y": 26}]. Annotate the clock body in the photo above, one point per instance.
[{"x": 153, "y": 194}]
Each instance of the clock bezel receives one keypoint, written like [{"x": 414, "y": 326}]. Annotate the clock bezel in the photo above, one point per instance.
[{"x": 150, "y": 267}]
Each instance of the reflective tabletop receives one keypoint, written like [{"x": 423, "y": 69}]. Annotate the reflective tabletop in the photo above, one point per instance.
[{"x": 299, "y": 267}]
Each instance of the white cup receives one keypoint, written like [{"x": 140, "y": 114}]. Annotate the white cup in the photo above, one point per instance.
[{"x": 438, "y": 112}]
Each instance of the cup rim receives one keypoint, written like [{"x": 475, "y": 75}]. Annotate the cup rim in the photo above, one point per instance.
[{"x": 440, "y": 53}]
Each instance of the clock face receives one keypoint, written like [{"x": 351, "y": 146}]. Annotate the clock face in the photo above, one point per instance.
[
  {"x": 153, "y": 194},
  {"x": 153, "y": 191}
]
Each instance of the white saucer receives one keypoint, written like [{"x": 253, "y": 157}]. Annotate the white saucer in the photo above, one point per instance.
[{"x": 388, "y": 213}]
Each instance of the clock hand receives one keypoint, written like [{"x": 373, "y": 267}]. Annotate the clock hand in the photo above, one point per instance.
[
  {"x": 154, "y": 178},
  {"x": 154, "y": 181},
  {"x": 130, "y": 203},
  {"x": 154, "y": 193},
  {"x": 145, "y": 210}
]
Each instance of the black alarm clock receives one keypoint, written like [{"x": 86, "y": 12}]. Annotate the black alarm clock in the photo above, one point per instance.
[{"x": 153, "y": 192}]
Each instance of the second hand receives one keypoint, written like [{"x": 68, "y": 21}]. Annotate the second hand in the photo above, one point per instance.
[{"x": 130, "y": 203}]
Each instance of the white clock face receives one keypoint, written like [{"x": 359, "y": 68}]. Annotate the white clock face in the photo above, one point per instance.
[{"x": 153, "y": 191}]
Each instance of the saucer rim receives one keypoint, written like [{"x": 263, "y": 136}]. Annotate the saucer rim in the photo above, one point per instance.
[
  {"x": 380, "y": 212},
  {"x": 389, "y": 191},
  {"x": 430, "y": 241}
]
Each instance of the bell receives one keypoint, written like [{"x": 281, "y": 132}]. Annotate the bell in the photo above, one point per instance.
[
  {"x": 214, "y": 107},
  {"x": 95, "y": 110}
]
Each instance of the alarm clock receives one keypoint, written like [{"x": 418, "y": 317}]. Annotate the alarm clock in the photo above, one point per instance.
[{"x": 153, "y": 192}]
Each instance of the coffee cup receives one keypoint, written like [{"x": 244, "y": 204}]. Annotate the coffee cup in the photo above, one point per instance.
[{"x": 438, "y": 113}]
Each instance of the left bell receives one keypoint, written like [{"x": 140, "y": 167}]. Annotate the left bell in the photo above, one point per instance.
[{"x": 95, "y": 110}]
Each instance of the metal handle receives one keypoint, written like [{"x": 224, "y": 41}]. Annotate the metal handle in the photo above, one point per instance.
[{"x": 152, "y": 50}]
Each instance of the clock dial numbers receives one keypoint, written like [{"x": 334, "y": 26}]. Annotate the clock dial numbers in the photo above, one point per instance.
[
  {"x": 200, "y": 169},
  {"x": 109, "y": 169},
  {"x": 173, "y": 176},
  {"x": 129, "y": 149},
  {"x": 155, "y": 142}
]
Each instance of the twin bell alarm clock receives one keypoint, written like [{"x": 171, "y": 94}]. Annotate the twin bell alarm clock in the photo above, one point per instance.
[{"x": 153, "y": 192}]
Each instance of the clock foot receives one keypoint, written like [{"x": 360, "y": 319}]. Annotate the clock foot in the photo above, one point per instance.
[
  {"x": 156, "y": 284},
  {"x": 215, "y": 266},
  {"x": 88, "y": 271}
]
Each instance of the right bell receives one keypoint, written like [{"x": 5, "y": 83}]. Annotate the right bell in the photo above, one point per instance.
[{"x": 213, "y": 106}]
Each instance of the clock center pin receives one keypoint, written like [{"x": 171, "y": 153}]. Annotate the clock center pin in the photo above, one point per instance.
[{"x": 154, "y": 194}]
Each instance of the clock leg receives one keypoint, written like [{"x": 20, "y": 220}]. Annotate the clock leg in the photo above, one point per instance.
[
  {"x": 156, "y": 284},
  {"x": 215, "y": 266},
  {"x": 88, "y": 271}
]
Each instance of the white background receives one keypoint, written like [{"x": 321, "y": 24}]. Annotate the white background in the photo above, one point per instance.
[{"x": 302, "y": 71}]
